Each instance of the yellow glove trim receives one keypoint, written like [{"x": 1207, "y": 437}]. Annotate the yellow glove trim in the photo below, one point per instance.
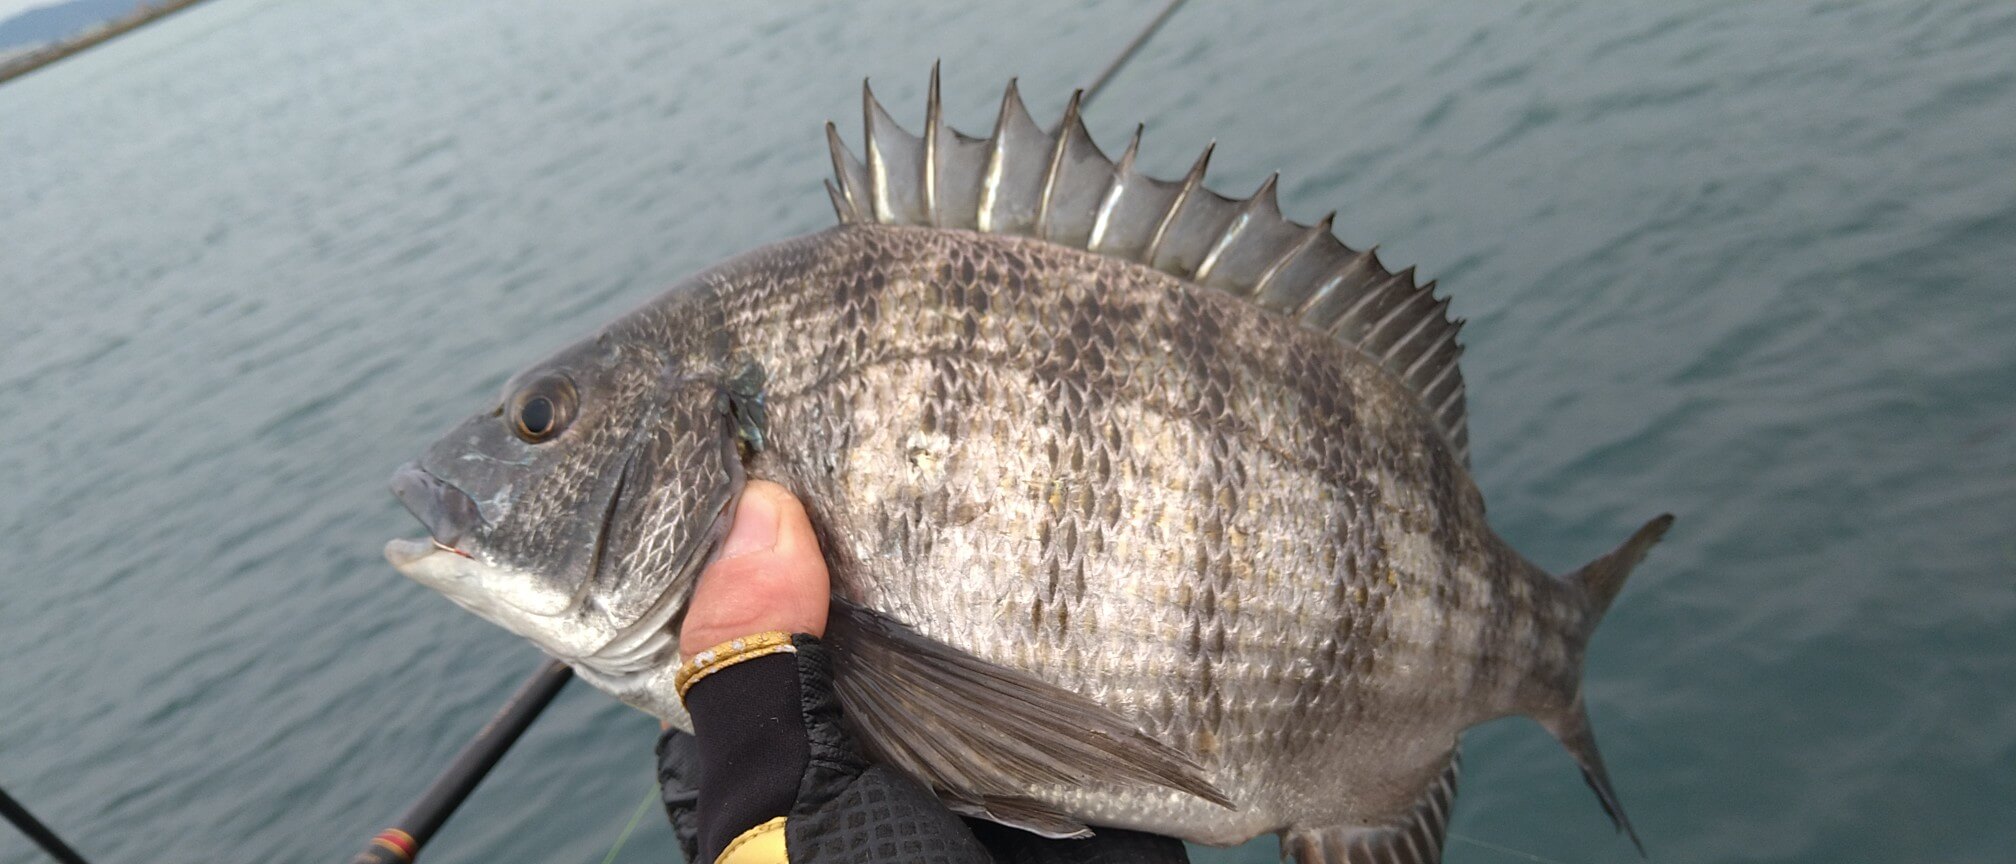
[
  {"x": 728, "y": 654},
  {"x": 763, "y": 844}
]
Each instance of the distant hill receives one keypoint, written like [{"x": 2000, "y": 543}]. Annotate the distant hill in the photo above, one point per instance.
[{"x": 50, "y": 23}]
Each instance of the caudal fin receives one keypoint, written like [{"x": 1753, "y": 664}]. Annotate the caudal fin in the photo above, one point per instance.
[
  {"x": 1604, "y": 577},
  {"x": 1572, "y": 727},
  {"x": 1600, "y": 581}
]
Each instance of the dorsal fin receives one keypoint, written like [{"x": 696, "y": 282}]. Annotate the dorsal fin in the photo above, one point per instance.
[{"x": 1060, "y": 187}]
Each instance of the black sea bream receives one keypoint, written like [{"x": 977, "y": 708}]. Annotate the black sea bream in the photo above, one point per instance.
[{"x": 1145, "y": 507}]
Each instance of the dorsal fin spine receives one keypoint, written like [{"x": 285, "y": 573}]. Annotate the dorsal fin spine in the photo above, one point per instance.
[
  {"x": 997, "y": 158},
  {"x": 1393, "y": 351},
  {"x": 1362, "y": 260},
  {"x": 1416, "y": 351},
  {"x": 1225, "y": 238},
  {"x": 1434, "y": 384},
  {"x": 841, "y": 208},
  {"x": 1447, "y": 337},
  {"x": 1454, "y": 401},
  {"x": 1321, "y": 294},
  {"x": 1111, "y": 200},
  {"x": 878, "y": 168},
  {"x": 1190, "y": 183},
  {"x": 1350, "y": 313},
  {"x": 1308, "y": 239},
  {"x": 1050, "y": 185},
  {"x": 1451, "y": 400},
  {"x": 1261, "y": 200},
  {"x": 1406, "y": 280},
  {"x": 933, "y": 118},
  {"x": 846, "y": 170},
  {"x": 1056, "y": 165}
]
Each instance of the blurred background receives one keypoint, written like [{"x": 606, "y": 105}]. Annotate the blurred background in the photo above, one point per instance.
[{"x": 1750, "y": 263}]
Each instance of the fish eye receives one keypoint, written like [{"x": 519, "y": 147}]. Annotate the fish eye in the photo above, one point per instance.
[{"x": 543, "y": 409}]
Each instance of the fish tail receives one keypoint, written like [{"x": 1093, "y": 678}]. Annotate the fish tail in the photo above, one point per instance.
[
  {"x": 1600, "y": 581},
  {"x": 1572, "y": 728},
  {"x": 1602, "y": 578}
]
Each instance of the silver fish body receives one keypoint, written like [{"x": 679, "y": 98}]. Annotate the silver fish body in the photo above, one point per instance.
[
  {"x": 1247, "y": 540},
  {"x": 1203, "y": 512}
]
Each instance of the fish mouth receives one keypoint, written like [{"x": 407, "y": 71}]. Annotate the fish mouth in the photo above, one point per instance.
[
  {"x": 443, "y": 561},
  {"x": 450, "y": 558},
  {"x": 449, "y": 514}
]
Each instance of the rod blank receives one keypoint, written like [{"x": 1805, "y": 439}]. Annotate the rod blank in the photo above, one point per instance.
[
  {"x": 37, "y": 831},
  {"x": 401, "y": 843}
]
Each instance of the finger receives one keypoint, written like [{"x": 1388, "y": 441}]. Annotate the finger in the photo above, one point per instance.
[{"x": 768, "y": 575}]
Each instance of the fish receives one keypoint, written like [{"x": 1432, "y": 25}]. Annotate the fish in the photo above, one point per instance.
[{"x": 1145, "y": 506}]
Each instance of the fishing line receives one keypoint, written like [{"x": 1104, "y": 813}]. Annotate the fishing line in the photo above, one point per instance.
[
  {"x": 1127, "y": 53},
  {"x": 1505, "y": 849},
  {"x": 635, "y": 816}
]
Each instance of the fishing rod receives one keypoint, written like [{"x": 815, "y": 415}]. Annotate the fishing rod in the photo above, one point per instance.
[
  {"x": 399, "y": 843},
  {"x": 37, "y": 831}
]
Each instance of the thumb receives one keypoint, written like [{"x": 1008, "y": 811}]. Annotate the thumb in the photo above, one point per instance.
[{"x": 768, "y": 575}]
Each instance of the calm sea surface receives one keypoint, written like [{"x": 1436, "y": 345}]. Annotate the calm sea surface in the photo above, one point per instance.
[{"x": 1753, "y": 263}]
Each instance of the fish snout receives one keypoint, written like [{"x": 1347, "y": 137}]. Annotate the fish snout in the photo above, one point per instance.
[{"x": 449, "y": 513}]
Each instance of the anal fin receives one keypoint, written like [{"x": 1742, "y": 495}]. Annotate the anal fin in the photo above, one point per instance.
[
  {"x": 1417, "y": 838},
  {"x": 983, "y": 735}
]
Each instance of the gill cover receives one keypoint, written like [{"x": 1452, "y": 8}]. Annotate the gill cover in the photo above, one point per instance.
[
  {"x": 599, "y": 484},
  {"x": 671, "y": 508}
]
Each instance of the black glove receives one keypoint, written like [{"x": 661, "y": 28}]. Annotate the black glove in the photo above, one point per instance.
[{"x": 772, "y": 746}]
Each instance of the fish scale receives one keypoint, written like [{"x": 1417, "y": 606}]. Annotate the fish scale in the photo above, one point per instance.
[
  {"x": 1166, "y": 406},
  {"x": 1145, "y": 507}
]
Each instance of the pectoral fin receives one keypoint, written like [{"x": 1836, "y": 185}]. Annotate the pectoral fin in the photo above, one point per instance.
[{"x": 986, "y": 736}]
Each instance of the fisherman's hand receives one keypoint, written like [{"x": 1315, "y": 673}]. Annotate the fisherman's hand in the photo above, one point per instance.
[{"x": 778, "y": 777}]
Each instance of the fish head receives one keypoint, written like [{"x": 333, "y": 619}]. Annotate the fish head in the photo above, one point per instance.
[{"x": 578, "y": 510}]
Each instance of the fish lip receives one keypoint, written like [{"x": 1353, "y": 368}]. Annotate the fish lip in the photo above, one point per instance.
[
  {"x": 403, "y": 552},
  {"x": 449, "y": 514}
]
